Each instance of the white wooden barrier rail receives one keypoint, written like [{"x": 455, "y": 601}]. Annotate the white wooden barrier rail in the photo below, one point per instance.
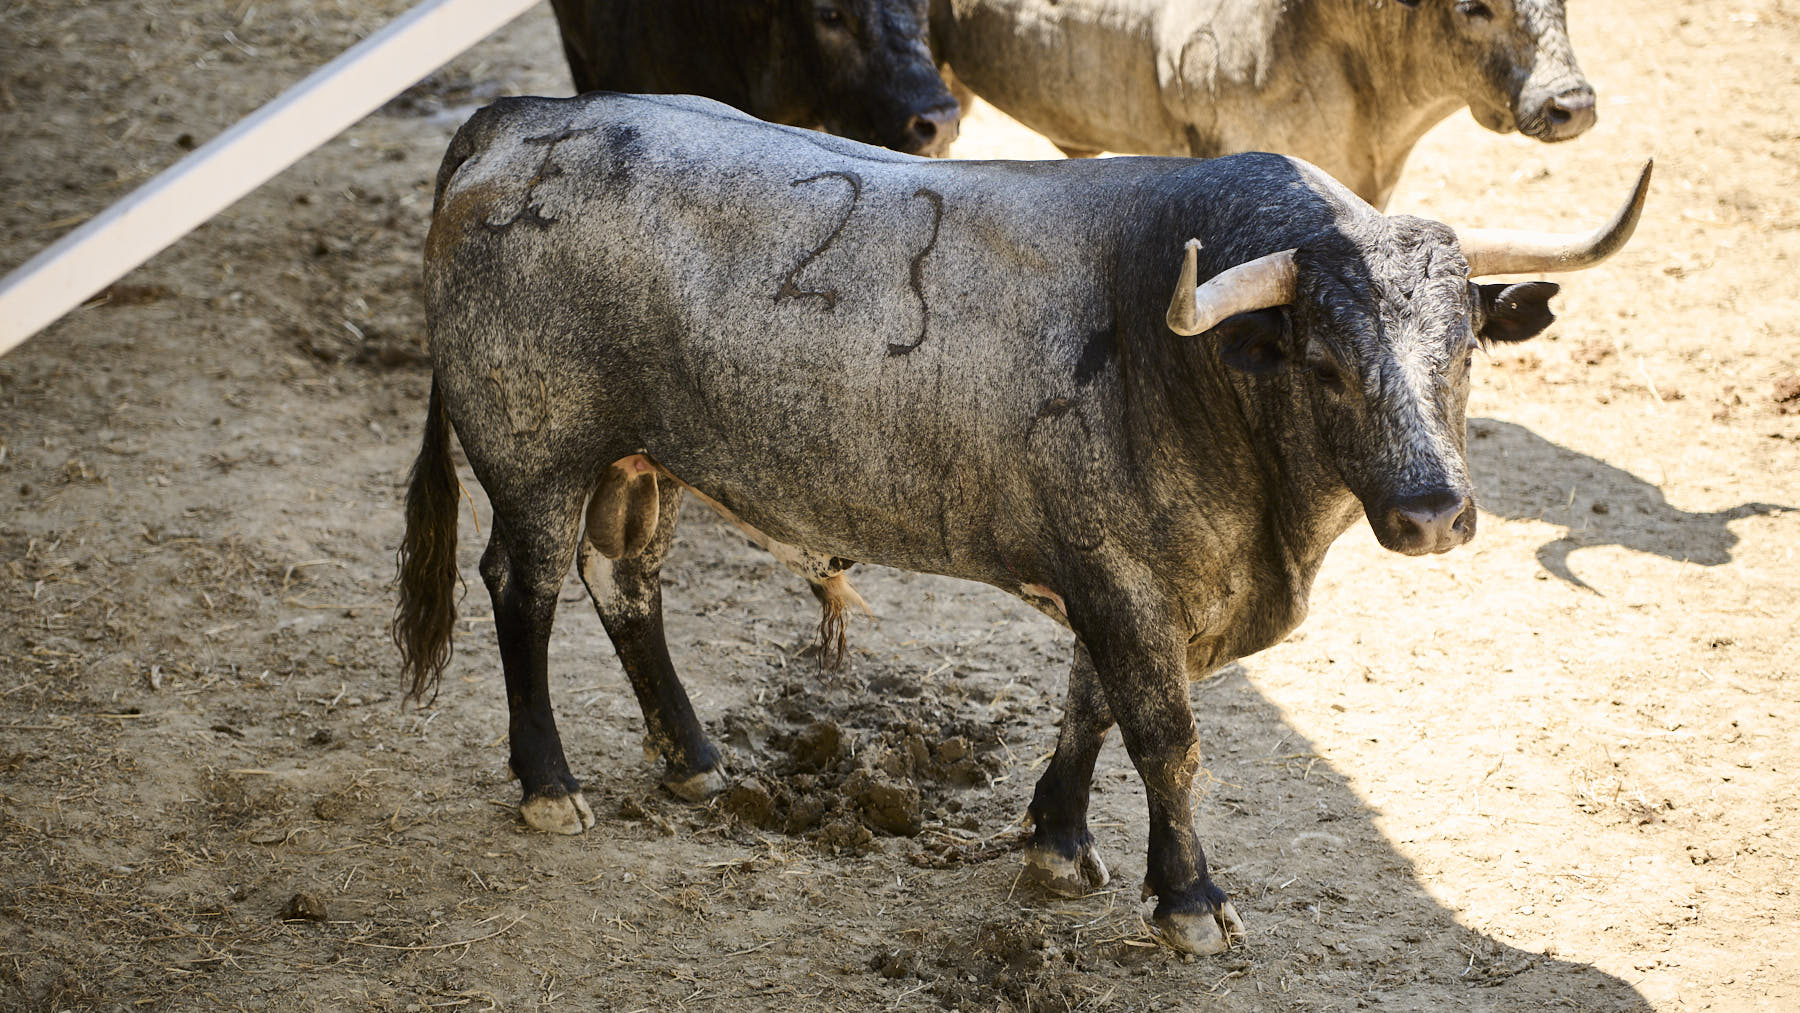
[{"x": 242, "y": 159}]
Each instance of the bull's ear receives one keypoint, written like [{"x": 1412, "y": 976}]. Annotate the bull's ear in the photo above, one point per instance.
[
  {"x": 1251, "y": 342},
  {"x": 1516, "y": 312}
]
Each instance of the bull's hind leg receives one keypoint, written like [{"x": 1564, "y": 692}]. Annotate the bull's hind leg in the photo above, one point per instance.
[
  {"x": 1062, "y": 857},
  {"x": 526, "y": 559},
  {"x": 630, "y": 526}
]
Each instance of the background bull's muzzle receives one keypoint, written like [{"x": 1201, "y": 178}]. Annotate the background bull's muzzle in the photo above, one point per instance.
[
  {"x": 931, "y": 131},
  {"x": 1566, "y": 114}
]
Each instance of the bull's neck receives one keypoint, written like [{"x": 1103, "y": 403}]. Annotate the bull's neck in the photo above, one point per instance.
[
  {"x": 1239, "y": 464},
  {"x": 1397, "y": 82},
  {"x": 744, "y": 54}
]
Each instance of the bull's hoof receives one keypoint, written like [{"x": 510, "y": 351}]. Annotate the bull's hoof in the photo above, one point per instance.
[
  {"x": 1202, "y": 933},
  {"x": 557, "y": 814},
  {"x": 697, "y": 787},
  {"x": 1063, "y": 876}
]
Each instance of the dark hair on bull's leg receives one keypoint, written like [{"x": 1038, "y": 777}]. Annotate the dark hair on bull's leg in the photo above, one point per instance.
[
  {"x": 427, "y": 560},
  {"x": 1061, "y": 856},
  {"x": 528, "y": 554}
]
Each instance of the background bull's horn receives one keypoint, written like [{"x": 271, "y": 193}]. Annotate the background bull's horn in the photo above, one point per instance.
[
  {"x": 1508, "y": 251},
  {"x": 1261, "y": 283}
]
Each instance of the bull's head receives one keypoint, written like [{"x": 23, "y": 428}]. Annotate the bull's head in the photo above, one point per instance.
[
  {"x": 1515, "y": 63},
  {"x": 870, "y": 72},
  {"x": 1379, "y": 330}
]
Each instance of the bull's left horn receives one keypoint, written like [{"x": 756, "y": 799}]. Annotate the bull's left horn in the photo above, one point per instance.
[
  {"x": 1261, "y": 283},
  {"x": 1509, "y": 251}
]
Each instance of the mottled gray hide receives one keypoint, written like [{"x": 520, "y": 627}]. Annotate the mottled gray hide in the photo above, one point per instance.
[
  {"x": 1350, "y": 85},
  {"x": 951, "y": 367},
  {"x": 859, "y": 68}
]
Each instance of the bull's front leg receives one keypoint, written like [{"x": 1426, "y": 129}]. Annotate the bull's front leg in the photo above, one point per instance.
[
  {"x": 1142, "y": 670},
  {"x": 1062, "y": 857}
]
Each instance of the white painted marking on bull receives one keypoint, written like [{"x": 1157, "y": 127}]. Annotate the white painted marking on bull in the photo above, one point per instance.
[{"x": 242, "y": 159}]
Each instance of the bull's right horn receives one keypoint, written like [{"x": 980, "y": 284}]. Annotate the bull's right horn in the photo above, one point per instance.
[
  {"x": 1509, "y": 251},
  {"x": 1259, "y": 284}
]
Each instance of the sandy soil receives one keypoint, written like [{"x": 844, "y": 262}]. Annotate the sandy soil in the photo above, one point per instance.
[{"x": 1554, "y": 769}]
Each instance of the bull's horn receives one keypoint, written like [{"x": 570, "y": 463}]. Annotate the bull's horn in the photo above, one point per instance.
[
  {"x": 1259, "y": 284},
  {"x": 1508, "y": 251}
]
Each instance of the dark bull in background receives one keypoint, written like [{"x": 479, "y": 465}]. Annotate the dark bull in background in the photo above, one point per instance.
[
  {"x": 862, "y": 69},
  {"x": 973, "y": 369}
]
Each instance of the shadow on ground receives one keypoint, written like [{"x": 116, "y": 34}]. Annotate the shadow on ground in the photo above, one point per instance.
[
  {"x": 1337, "y": 917},
  {"x": 1520, "y": 475}
]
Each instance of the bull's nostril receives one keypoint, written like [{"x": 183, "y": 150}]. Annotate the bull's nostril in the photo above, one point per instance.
[
  {"x": 1464, "y": 524},
  {"x": 1406, "y": 527},
  {"x": 924, "y": 129},
  {"x": 1558, "y": 115}
]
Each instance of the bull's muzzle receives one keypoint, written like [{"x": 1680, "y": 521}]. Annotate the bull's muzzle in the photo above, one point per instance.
[
  {"x": 1433, "y": 522},
  {"x": 1561, "y": 117},
  {"x": 931, "y": 132}
]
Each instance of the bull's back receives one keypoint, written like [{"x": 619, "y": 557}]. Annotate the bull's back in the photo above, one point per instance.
[{"x": 799, "y": 326}]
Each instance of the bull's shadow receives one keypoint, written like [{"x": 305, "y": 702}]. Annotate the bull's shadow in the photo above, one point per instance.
[
  {"x": 1333, "y": 907},
  {"x": 1520, "y": 475},
  {"x": 1302, "y": 852}
]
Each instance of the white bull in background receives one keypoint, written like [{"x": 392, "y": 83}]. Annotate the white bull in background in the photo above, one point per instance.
[{"x": 1349, "y": 85}]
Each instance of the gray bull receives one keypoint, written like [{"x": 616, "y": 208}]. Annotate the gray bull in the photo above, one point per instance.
[
  {"x": 1350, "y": 85},
  {"x": 963, "y": 368}
]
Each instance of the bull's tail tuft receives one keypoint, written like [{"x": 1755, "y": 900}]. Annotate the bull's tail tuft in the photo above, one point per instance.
[
  {"x": 833, "y": 641},
  {"x": 427, "y": 560},
  {"x": 836, "y": 596}
]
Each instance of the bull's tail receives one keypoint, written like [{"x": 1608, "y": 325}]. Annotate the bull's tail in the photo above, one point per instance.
[{"x": 427, "y": 559}]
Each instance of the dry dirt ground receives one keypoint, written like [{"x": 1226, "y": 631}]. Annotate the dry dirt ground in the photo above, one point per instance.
[{"x": 1555, "y": 769}]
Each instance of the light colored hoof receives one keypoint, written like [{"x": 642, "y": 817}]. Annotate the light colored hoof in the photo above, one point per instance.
[
  {"x": 699, "y": 787},
  {"x": 1066, "y": 877},
  {"x": 1205, "y": 934},
  {"x": 560, "y": 814}
]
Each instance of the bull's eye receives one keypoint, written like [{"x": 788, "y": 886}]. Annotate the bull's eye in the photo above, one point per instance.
[
  {"x": 1330, "y": 377},
  {"x": 1475, "y": 9},
  {"x": 831, "y": 17}
]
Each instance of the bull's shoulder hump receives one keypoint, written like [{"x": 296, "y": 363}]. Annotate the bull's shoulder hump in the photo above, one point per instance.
[
  {"x": 510, "y": 121},
  {"x": 709, "y": 128}
]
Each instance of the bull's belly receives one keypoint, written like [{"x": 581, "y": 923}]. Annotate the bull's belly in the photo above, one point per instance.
[
  {"x": 920, "y": 531},
  {"x": 826, "y": 569}
]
